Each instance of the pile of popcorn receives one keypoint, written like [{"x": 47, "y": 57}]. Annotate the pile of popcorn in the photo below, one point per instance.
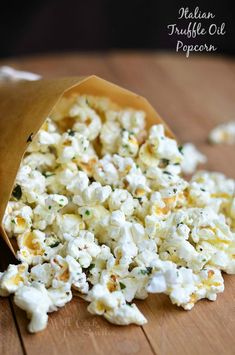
[{"x": 100, "y": 207}]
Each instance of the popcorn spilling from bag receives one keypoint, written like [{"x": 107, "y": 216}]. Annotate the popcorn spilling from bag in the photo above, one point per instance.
[{"x": 100, "y": 207}]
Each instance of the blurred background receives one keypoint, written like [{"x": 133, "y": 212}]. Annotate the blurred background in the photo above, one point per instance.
[{"x": 42, "y": 26}]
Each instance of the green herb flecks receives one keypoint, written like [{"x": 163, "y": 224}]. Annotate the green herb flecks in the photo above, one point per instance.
[
  {"x": 164, "y": 162},
  {"x": 167, "y": 173},
  {"x": 146, "y": 271},
  {"x": 180, "y": 148},
  {"x": 91, "y": 267},
  {"x": 48, "y": 174},
  {"x": 55, "y": 244},
  {"x": 179, "y": 224},
  {"x": 122, "y": 285},
  {"x": 71, "y": 132},
  {"x": 17, "y": 192}
]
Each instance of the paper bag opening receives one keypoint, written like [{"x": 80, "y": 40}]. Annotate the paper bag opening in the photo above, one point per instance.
[{"x": 24, "y": 107}]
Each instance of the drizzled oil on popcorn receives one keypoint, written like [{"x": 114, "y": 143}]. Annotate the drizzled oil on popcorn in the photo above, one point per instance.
[{"x": 100, "y": 207}]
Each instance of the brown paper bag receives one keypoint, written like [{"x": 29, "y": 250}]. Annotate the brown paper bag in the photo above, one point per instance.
[{"x": 24, "y": 106}]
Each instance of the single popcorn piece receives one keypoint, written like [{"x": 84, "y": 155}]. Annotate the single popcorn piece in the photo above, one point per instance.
[
  {"x": 158, "y": 147},
  {"x": 68, "y": 223},
  {"x": 132, "y": 121},
  {"x": 18, "y": 218},
  {"x": 109, "y": 137},
  {"x": 42, "y": 273},
  {"x": 223, "y": 133},
  {"x": 71, "y": 146},
  {"x": 126, "y": 314},
  {"x": 192, "y": 157},
  {"x": 46, "y": 138},
  {"x": 14, "y": 277},
  {"x": 35, "y": 301},
  {"x": 92, "y": 195},
  {"x": 46, "y": 212},
  {"x": 40, "y": 160},
  {"x": 128, "y": 144},
  {"x": 113, "y": 307},
  {"x": 121, "y": 199},
  {"x": 88, "y": 123},
  {"x": 83, "y": 248},
  {"x": 30, "y": 183},
  {"x": 31, "y": 246},
  {"x": 100, "y": 207}
]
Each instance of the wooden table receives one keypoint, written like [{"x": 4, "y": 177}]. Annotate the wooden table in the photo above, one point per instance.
[{"x": 192, "y": 95}]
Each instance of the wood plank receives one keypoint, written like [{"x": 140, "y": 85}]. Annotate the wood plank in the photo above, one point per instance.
[
  {"x": 192, "y": 95},
  {"x": 10, "y": 342},
  {"x": 72, "y": 329},
  {"x": 207, "y": 329},
  {"x": 9, "y": 339}
]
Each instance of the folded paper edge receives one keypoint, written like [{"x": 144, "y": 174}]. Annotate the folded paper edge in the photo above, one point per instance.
[{"x": 72, "y": 84}]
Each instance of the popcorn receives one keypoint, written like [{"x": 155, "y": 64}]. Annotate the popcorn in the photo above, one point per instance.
[
  {"x": 113, "y": 307},
  {"x": 92, "y": 195},
  {"x": 31, "y": 246},
  {"x": 192, "y": 157},
  {"x": 31, "y": 183},
  {"x": 77, "y": 182},
  {"x": 59, "y": 297},
  {"x": 126, "y": 314},
  {"x": 223, "y": 133},
  {"x": 93, "y": 216},
  {"x": 106, "y": 172},
  {"x": 132, "y": 121},
  {"x": 18, "y": 218},
  {"x": 40, "y": 160},
  {"x": 46, "y": 138},
  {"x": 66, "y": 271},
  {"x": 42, "y": 273},
  {"x": 158, "y": 147},
  {"x": 68, "y": 223},
  {"x": 13, "y": 278},
  {"x": 71, "y": 146},
  {"x": 88, "y": 123},
  {"x": 122, "y": 200},
  {"x": 45, "y": 213},
  {"x": 128, "y": 144},
  {"x": 35, "y": 301},
  {"x": 109, "y": 137},
  {"x": 83, "y": 248},
  {"x": 100, "y": 207},
  {"x": 184, "y": 287}
]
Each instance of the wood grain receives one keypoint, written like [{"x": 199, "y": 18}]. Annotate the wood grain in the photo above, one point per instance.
[
  {"x": 10, "y": 340},
  {"x": 192, "y": 95},
  {"x": 207, "y": 329},
  {"x": 73, "y": 329}
]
